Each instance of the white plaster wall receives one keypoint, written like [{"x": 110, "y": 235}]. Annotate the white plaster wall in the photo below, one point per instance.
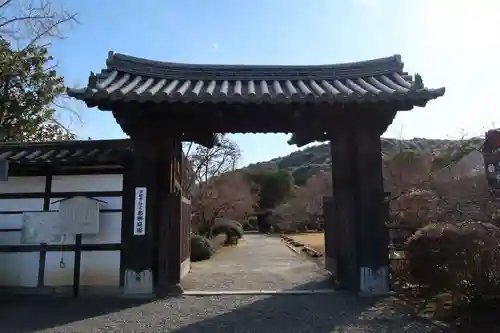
[
  {"x": 21, "y": 205},
  {"x": 9, "y": 238},
  {"x": 16, "y": 268},
  {"x": 55, "y": 275},
  {"x": 19, "y": 269},
  {"x": 100, "y": 268},
  {"x": 23, "y": 185},
  {"x": 110, "y": 231},
  {"x": 11, "y": 221},
  {"x": 87, "y": 183}
]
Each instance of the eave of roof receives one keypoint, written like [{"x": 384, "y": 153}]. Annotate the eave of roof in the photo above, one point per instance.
[
  {"x": 84, "y": 152},
  {"x": 127, "y": 79}
]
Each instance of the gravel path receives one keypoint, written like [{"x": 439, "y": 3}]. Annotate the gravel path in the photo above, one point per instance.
[
  {"x": 263, "y": 314},
  {"x": 259, "y": 262}
]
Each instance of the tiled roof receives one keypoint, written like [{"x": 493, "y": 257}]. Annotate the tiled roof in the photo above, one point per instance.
[
  {"x": 128, "y": 78},
  {"x": 91, "y": 152}
]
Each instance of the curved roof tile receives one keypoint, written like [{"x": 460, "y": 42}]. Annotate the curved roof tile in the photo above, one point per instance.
[{"x": 129, "y": 78}]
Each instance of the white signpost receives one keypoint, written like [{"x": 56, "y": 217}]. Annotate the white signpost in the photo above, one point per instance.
[{"x": 140, "y": 211}]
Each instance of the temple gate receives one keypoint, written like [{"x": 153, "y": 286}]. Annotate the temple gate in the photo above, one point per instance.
[{"x": 161, "y": 104}]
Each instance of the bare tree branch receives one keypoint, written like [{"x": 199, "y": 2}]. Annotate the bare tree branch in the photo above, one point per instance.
[
  {"x": 218, "y": 190},
  {"x": 30, "y": 21},
  {"x": 208, "y": 163}
]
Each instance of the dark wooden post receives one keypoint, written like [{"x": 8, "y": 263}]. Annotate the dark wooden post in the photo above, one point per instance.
[
  {"x": 166, "y": 217},
  {"x": 173, "y": 236},
  {"x": 145, "y": 257},
  {"x": 359, "y": 232},
  {"x": 137, "y": 254},
  {"x": 373, "y": 237},
  {"x": 343, "y": 233}
]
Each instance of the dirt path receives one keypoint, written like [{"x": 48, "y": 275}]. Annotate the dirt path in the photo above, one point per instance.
[{"x": 259, "y": 262}]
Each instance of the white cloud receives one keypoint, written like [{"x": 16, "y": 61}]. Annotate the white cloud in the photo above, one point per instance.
[{"x": 215, "y": 46}]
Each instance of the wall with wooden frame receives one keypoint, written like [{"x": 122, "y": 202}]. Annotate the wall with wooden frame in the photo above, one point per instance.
[{"x": 77, "y": 263}]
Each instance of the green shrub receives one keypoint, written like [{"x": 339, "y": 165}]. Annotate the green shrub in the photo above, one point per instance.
[
  {"x": 228, "y": 227},
  {"x": 203, "y": 230},
  {"x": 253, "y": 221},
  {"x": 201, "y": 248},
  {"x": 459, "y": 258}
]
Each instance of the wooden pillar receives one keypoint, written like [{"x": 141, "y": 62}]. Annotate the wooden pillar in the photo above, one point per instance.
[
  {"x": 173, "y": 241},
  {"x": 137, "y": 252},
  {"x": 373, "y": 240},
  {"x": 342, "y": 234},
  {"x": 145, "y": 250},
  {"x": 359, "y": 233},
  {"x": 166, "y": 218}
]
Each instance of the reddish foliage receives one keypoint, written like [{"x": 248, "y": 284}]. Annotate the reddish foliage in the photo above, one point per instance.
[
  {"x": 229, "y": 195},
  {"x": 421, "y": 195},
  {"x": 307, "y": 203},
  {"x": 460, "y": 258}
]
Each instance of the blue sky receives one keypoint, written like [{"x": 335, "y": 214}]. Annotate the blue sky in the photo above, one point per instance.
[{"x": 450, "y": 43}]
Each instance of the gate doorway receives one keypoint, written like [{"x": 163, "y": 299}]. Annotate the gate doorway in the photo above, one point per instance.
[{"x": 161, "y": 104}]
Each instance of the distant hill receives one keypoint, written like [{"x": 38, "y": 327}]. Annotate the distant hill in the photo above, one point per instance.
[{"x": 304, "y": 163}]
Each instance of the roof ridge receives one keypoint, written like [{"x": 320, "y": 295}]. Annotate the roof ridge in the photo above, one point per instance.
[
  {"x": 117, "y": 58},
  {"x": 130, "y": 64}
]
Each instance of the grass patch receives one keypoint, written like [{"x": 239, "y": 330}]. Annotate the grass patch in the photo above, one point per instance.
[{"x": 316, "y": 240}]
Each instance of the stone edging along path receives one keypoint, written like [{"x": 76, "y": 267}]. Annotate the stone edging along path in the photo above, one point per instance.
[
  {"x": 397, "y": 302},
  {"x": 293, "y": 245}
]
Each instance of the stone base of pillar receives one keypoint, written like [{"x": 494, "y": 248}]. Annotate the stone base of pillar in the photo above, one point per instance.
[
  {"x": 138, "y": 283},
  {"x": 374, "y": 282}
]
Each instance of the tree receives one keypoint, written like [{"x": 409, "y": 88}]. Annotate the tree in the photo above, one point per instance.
[
  {"x": 407, "y": 169},
  {"x": 28, "y": 88},
  {"x": 274, "y": 187},
  {"x": 217, "y": 190},
  {"x": 307, "y": 204},
  {"x": 29, "y": 84},
  {"x": 443, "y": 186},
  {"x": 317, "y": 187},
  {"x": 212, "y": 162},
  {"x": 227, "y": 196}
]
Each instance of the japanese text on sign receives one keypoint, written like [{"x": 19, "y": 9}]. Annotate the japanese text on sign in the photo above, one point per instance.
[{"x": 140, "y": 211}]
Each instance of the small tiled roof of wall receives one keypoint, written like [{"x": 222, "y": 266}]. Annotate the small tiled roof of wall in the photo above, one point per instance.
[{"x": 89, "y": 152}]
